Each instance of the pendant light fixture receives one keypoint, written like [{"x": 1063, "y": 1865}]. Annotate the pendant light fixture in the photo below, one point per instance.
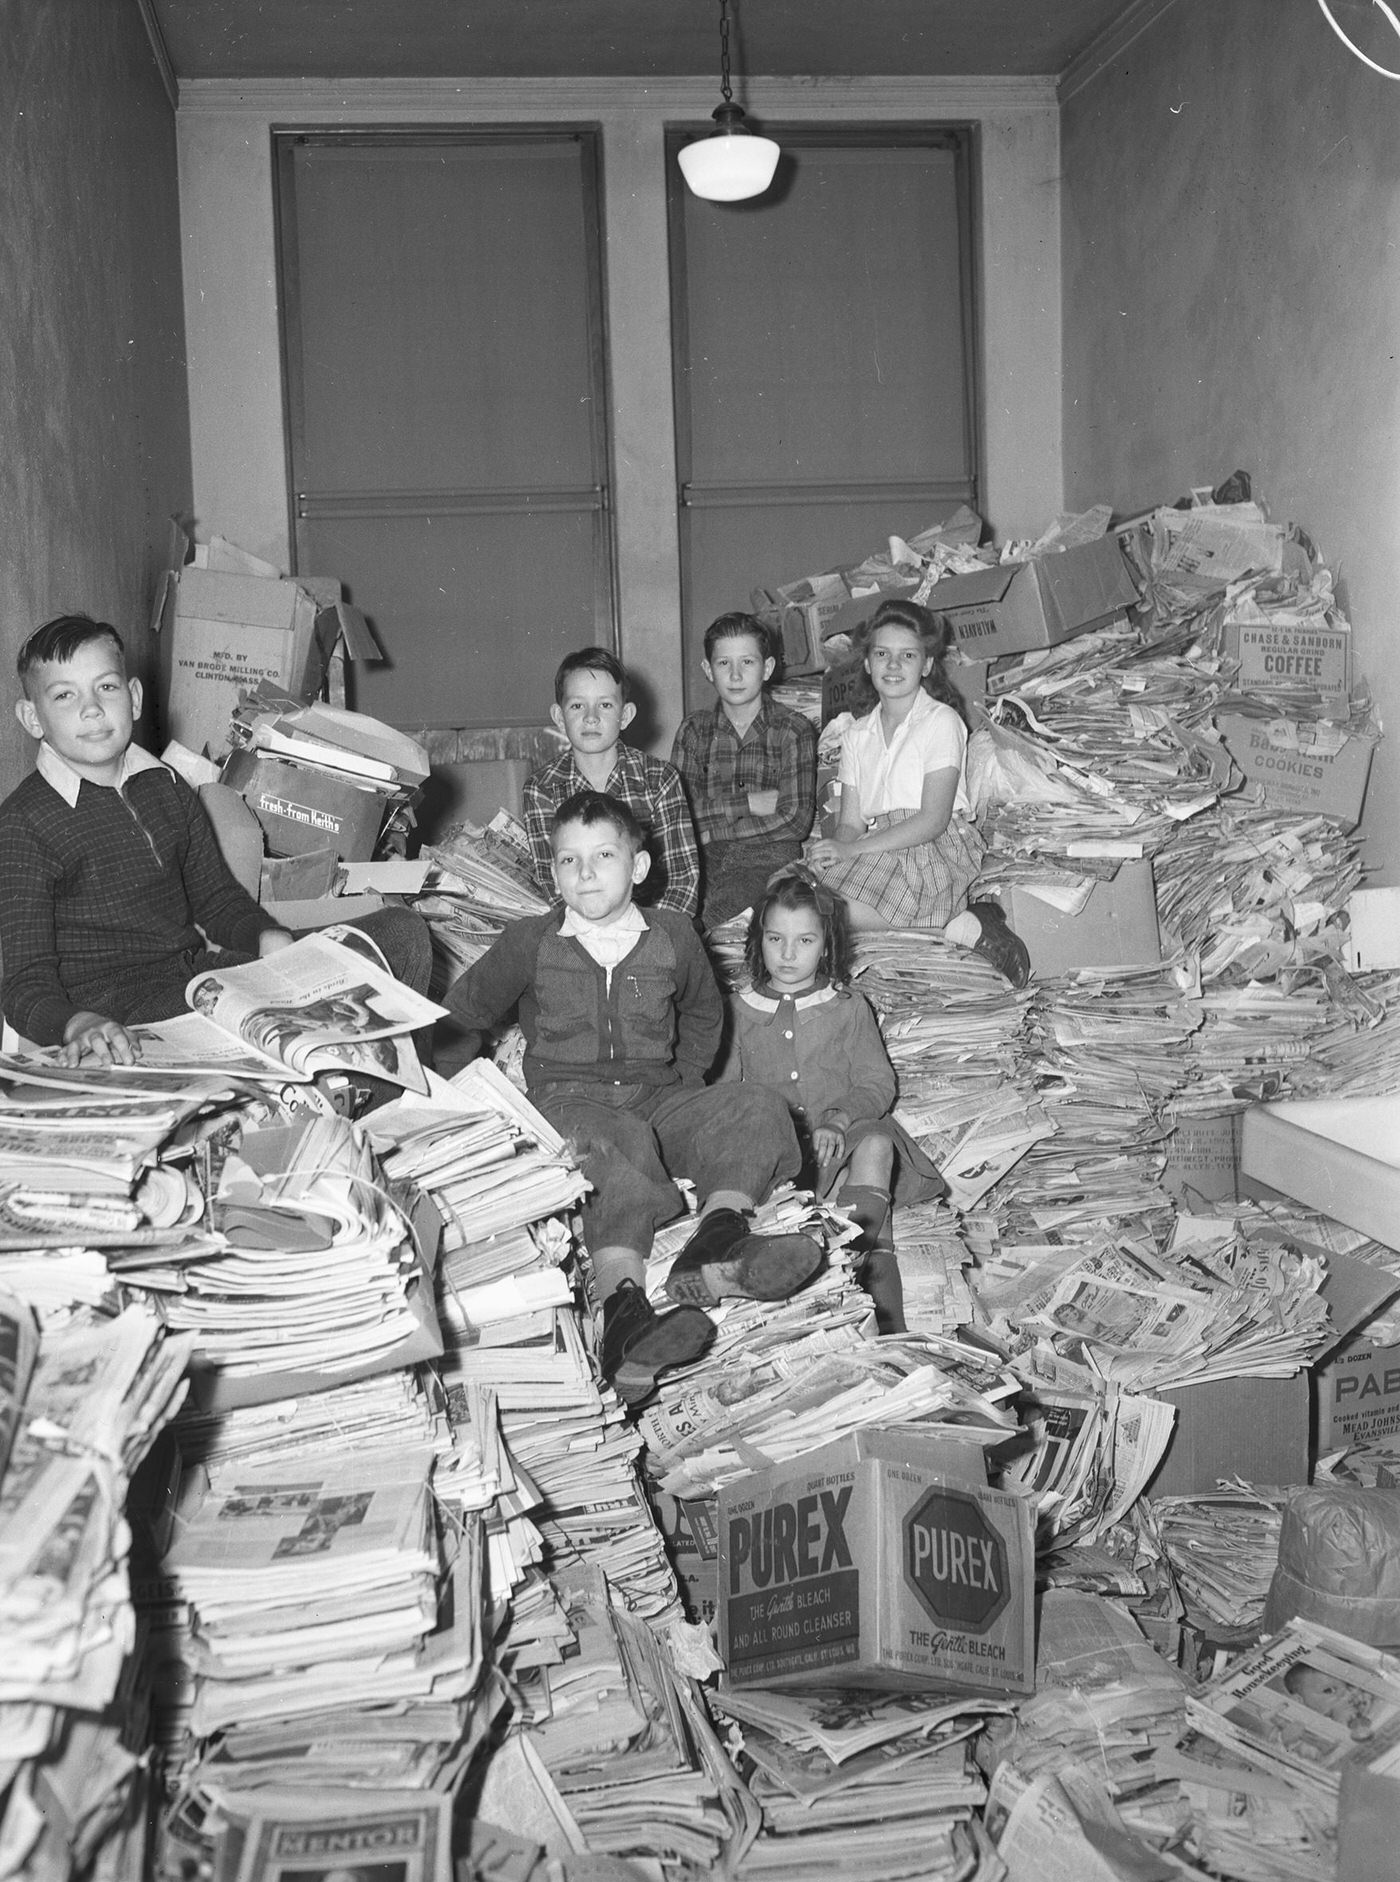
[{"x": 732, "y": 163}]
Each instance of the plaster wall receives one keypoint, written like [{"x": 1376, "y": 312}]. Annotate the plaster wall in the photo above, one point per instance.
[
  {"x": 237, "y": 432},
  {"x": 1231, "y": 214},
  {"x": 93, "y": 407}
]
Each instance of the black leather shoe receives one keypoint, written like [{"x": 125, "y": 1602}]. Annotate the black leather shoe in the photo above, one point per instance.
[
  {"x": 758, "y": 1267},
  {"x": 1000, "y": 944},
  {"x": 638, "y": 1342}
]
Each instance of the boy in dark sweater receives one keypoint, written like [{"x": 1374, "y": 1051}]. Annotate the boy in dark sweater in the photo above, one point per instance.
[
  {"x": 622, "y": 1017},
  {"x": 113, "y": 890}
]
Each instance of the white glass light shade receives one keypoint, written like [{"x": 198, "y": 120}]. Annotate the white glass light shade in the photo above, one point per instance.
[{"x": 729, "y": 166}]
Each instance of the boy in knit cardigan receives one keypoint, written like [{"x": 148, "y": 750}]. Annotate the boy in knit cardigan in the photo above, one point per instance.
[
  {"x": 113, "y": 890},
  {"x": 622, "y": 1017}
]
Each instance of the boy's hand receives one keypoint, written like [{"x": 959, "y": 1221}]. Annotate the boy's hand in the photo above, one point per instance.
[
  {"x": 829, "y": 1144},
  {"x": 272, "y": 941},
  {"x": 94, "y": 1036}
]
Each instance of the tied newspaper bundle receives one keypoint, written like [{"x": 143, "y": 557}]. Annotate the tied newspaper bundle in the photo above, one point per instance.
[
  {"x": 858, "y": 1784},
  {"x": 483, "y": 878},
  {"x": 511, "y": 1328},
  {"x": 953, "y": 1030},
  {"x": 1225, "y": 1300},
  {"x": 319, "y": 1272},
  {"x": 337, "y": 1636},
  {"x": 1084, "y": 1753},
  {"x": 626, "y": 1758},
  {"x": 80, "y": 1405}
]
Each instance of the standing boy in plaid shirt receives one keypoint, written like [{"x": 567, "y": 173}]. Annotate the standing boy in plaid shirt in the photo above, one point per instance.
[
  {"x": 750, "y": 767},
  {"x": 592, "y": 710}
]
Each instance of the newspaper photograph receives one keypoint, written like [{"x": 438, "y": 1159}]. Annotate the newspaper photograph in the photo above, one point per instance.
[{"x": 320, "y": 1005}]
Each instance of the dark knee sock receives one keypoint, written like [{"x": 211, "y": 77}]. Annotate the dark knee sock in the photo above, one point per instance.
[
  {"x": 871, "y": 1209},
  {"x": 880, "y": 1277}
]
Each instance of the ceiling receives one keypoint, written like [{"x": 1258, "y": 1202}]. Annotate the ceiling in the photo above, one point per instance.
[{"x": 401, "y": 39}]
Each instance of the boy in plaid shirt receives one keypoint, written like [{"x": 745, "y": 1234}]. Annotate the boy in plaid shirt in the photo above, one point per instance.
[
  {"x": 750, "y": 768},
  {"x": 592, "y": 710}
]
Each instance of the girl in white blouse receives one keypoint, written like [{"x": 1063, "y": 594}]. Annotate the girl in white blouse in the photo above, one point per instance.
[{"x": 906, "y": 852}]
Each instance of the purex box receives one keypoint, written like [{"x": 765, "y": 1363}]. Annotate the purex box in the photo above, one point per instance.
[{"x": 882, "y": 1560}]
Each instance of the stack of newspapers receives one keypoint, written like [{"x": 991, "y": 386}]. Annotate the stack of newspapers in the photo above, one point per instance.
[{"x": 81, "y": 1402}]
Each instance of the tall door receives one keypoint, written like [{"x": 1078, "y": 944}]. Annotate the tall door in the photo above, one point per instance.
[
  {"x": 824, "y": 363},
  {"x": 443, "y": 350}
]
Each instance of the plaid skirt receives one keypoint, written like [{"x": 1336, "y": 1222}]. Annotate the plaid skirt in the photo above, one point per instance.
[{"x": 922, "y": 887}]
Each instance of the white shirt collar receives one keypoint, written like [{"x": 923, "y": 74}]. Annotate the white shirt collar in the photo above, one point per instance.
[
  {"x": 630, "y": 921},
  {"x": 65, "y": 780}
]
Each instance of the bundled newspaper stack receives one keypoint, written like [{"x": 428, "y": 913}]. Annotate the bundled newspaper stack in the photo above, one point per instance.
[
  {"x": 323, "y": 1652},
  {"x": 857, "y": 1784},
  {"x": 1226, "y": 1299},
  {"x": 483, "y": 878},
  {"x": 1077, "y": 1784},
  {"x": 503, "y": 1182},
  {"x": 80, "y": 1405}
]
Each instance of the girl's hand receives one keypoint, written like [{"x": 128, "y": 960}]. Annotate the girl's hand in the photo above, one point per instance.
[
  {"x": 829, "y": 1145},
  {"x": 830, "y": 850}
]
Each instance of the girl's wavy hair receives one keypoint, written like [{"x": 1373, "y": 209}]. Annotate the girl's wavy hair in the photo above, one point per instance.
[
  {"x": 795, "y": 887},
  {"x": 936, "y": 633}
]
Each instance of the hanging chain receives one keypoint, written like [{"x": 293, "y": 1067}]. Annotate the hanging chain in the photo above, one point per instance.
[{"x": 725, "y": 91}]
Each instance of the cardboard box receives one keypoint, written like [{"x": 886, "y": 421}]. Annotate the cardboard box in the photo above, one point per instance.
[
  {"x": 1255, "y": 1428},
  {"x": 797, "y": 611},
  {"x": 220, "y": 632},
  {"x": 1358, "y": 1395},
  {"x": 1305, "y": 765},
  {"x": 1203, "y": 1162},
  {"x": 302, "y": 809},
  {"x": 1272, "y": 658},
  {"x": 882, "y": 1560},
  {"x": 1020, "y": 605},
  {"x": 1117, "y": 926},
  {"x": 690, "y": 1527}
]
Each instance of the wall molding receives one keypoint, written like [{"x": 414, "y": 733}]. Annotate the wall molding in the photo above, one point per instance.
[
  {"x": 146, "y": 8},
  {"x": 1109, "y": 45},
  {"x": 453, "y": 98}
]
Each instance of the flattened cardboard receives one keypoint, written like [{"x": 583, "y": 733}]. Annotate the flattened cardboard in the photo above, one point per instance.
[
  {"x": 1117, "y": 926},
  {"x": 1017, "y": 606},
  {"x": 1255, "y": 1428},
  {"x": 881, "y": 1560},
  {"x": 1203, "y": 1162},
  {"x": 1303, "y": 765}
]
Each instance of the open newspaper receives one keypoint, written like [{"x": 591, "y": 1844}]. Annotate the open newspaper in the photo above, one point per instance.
[{"x": 327, "y": 1003}]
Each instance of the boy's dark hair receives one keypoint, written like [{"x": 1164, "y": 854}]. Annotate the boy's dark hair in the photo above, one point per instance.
[
  {"x": 590, "y": 660},
  {"x": 732, "y": 626},
  {"x": 794, "y": 887},
  {"x": 591, "y": 808},
  {"x": 59, "y": 639},
  {"x": 935, "y": 631}
]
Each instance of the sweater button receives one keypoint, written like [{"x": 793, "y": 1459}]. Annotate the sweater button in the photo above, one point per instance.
[
  {"x": 794, "y": 1075},
  {"x": 787, "y": 1035}
]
